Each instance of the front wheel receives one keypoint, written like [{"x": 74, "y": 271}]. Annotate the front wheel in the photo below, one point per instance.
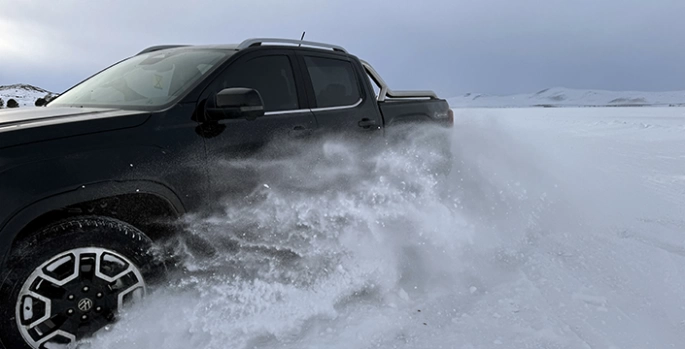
[{"x": 68, "y": 281}]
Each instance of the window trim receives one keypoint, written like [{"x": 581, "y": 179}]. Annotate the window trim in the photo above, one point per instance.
[
  {"x": 341, "y": 107},
  {"x": 289, "y": 111}
]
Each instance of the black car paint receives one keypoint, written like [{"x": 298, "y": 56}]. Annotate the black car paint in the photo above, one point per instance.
[{"x": 54, "y": 157}]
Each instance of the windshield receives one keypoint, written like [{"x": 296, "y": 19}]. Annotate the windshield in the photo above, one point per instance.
[{"x": 147, "y": 80}]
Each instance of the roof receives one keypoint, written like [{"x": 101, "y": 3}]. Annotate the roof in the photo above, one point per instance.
[{"x": 250, "y": 43}]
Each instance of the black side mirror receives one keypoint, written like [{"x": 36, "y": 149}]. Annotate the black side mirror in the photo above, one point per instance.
[{"x": 233, "y": 103}]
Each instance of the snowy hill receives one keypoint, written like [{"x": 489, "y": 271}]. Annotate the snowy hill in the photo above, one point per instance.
[
  {"x": 25, "y": 94},
  {"x": 564, "y": 97}
]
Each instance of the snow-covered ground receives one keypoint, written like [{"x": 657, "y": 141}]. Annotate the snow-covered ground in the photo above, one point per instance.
[
  {"x": 557, "y": 228},
  {"x": 25, "y": 95},
  {"x": 565, "y": 97}
]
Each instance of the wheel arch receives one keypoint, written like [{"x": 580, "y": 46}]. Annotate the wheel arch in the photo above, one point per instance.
[{"x": 136, "y": 200}]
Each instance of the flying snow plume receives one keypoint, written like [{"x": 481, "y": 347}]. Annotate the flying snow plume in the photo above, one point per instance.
[{"x": 347, "y": 244}]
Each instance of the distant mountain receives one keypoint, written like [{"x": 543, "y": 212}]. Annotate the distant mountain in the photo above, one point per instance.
[
  {"x": 565, "y": 97},
  {"x": 25, "y": 94}
]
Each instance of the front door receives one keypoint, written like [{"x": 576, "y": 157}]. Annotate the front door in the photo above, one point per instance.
[{"x": 235, "y": 147}]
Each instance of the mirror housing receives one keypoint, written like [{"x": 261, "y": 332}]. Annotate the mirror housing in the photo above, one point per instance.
[{"x": 234, "y": 103}]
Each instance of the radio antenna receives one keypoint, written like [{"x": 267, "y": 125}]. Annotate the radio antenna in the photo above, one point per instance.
[{"x": 301, "y": 38}]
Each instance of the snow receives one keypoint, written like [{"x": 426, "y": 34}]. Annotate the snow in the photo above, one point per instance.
[
  {"x": 26, "y": 95},
  {"x": 565, "y": 97},
  {"x": 556, "y": 228}
]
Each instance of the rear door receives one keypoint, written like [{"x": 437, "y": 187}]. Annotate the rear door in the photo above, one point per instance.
[
  {"x": 335, "y": 92},
  {"x": 233, "y": 144}
]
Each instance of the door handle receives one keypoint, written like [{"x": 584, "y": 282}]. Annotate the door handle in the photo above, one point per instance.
[
  {"x": 300, "y": 131},
  {"x": 367, "y": 123}
]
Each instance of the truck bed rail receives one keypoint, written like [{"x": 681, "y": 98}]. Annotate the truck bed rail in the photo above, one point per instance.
[{"x": 386, "y": 92}]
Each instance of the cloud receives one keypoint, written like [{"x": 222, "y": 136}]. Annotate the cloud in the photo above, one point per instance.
[{"x": 492, "y": 46}]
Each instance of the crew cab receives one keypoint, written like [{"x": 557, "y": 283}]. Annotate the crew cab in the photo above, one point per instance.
[{"x": 87, "y": 181}]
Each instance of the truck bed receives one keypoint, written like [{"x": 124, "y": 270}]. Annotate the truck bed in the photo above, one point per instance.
[{"x": 396, "y": 111}]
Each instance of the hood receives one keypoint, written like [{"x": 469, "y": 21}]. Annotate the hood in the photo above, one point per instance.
[{"x": 19, "y": 126}]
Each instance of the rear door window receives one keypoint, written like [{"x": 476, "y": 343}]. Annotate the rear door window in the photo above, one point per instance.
[{"x": 334, "y": 81}]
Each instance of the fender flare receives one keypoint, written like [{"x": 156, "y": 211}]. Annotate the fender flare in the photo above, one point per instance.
[{"x": 93, "y": 191}]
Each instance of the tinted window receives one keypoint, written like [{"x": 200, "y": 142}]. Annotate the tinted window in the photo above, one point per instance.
[
  {"x": 335, "y": 83},
  {"x": 272, "y": 76}
]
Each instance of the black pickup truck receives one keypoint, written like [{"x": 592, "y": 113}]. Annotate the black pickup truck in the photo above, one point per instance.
[{"x": 87, "y": 181}]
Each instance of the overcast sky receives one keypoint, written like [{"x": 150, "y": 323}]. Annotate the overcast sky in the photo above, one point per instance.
[{"x": 451, "y": 46}]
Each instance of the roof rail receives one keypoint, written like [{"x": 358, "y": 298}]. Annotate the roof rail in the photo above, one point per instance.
[
  {"x": 258, "y": 41},
  {"x": 158, "y": 47}
]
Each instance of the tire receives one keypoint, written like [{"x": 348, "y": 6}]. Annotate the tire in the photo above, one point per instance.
[{"x": 78, "y": 273}]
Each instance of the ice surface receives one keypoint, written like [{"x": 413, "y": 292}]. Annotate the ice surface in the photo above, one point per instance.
[
  {"x": 566, "y": 97},
  {"x": 556, "y": 228}
]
